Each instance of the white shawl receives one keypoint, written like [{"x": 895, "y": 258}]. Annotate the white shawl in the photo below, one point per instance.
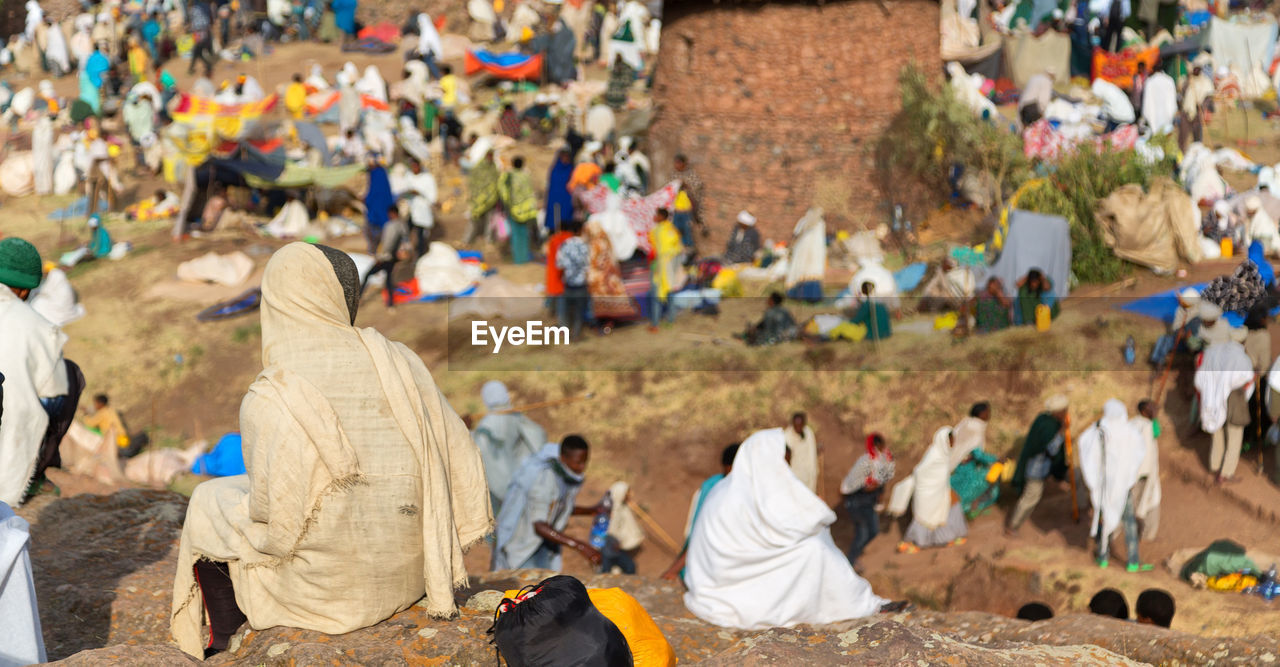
[
  {"x": 21, "y": 642},
  {"x": 804, "y": 456},
  {"x": 1224, "y": 368},
  {"x": 1151, "y": 495},
  {"x": 761, "y": 554},
  {"x": 371, "y": 84},
  {"x": 1111, "y": 455},
  {"x": 970, "y": 434},
  {"x": 623, "y": 525},
  {"x": 1160, "y": 102},
  {"x": 56, "y": 301},
  {"x": 808, "y": 256},
  {"x": 31, "y": 362},
  {"x": 363, "y": 485},
  {"x": 428, "y": 37},
  {"x": 931, "y": 500}
]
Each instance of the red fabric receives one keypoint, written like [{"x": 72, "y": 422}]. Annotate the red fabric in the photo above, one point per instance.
[
  {"x": 368, "y": 102},
  {"x": 871, "y": 448},
  {"x": 1040, "y": 140},
  {"x": 530, "y": 70},
  {"x": 555, "y": 286},
  {"x": 1121, "y": 68},
  {"x": 387, "y": 32},
  {"x": 639, "y": 210},
  {"x": 269, "y": 145}
]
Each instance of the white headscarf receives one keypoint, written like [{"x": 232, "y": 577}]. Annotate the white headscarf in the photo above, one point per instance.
[
  {"x": 35, "y": 16},
  {"x": 970, "y": 435},
  {"x": 761, "y": 554},
  {"x": 495, "y": 396},
  {"x": 1111, "y": 455},
  {"x": 316, "y": 79},
  {"x": 428, "y": 37},
  {"x": 1225, "y": 367},
  {"x": 371, "y": 84}
]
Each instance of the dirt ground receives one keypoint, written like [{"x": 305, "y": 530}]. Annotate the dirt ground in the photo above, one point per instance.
[{"x": 666, "y": 403}]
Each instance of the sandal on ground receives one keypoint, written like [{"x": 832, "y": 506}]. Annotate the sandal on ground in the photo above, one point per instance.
[
  {"x": 896, "y": 607},
  {"x": 41, "y": 486},
  {"x": 1103, "y": 563},
  {"x": 959, "y": 541},
  {"x": 1139, "y": 567},
  {"x": 908, "y": 548}
]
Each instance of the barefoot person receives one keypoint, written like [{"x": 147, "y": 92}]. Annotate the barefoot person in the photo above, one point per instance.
[
  {"x": 1111, "y": 456},
  {"x": 363, "y": 486},
  {"x": 761, "y": 553}
]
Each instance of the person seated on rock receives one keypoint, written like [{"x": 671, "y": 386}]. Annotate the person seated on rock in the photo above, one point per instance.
[
  {"x": 1109, "y": 602},
  {"x": 1035, "y": 611},
  {"x": 1154, "y": 607},
  {"x": 937, "y": 519},
  {"x": 41, "y": 389},
  {"x": 540, "y": 499},
  {"x": 676, "y": 568},
  {"x": 761, "y": 553},
  {"x": 363, "y": 486},
  {"x": 505, "y": 440}
]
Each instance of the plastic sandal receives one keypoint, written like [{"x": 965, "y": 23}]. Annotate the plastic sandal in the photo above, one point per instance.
[
  {"x": 1139, "y": 567},
  {"x": 1102, "y": 563},
  {"x": 908, "y": 548}
]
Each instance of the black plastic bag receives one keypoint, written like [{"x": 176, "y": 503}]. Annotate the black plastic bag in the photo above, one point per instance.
[{"x": 555, "y": 624}]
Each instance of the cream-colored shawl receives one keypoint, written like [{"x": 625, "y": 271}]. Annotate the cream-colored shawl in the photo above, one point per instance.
[{"x": 363, "y": 485}]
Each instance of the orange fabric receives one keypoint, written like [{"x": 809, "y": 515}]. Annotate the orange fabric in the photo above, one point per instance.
[
  {"x": 649, "y": 648},
  {"x": 1120, "y": 68},
  {"x": 555, "y": 286},
  {"x": 585, "y": 173}
]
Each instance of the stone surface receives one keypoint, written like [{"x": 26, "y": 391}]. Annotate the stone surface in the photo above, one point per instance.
[
  {"x": 104, "y": 572},
  {"x": 779, "y": 103}
]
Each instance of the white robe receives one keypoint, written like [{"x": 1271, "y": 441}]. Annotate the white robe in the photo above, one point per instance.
[
  {"x": 55, "y": 299},
  {"x": 21, "y": 643},
  {"x": 808, "y": 256},
  {"x": 1111, "y": 455},
  {"x": 1151, "y": 495},
  {"x": 316, "y": 79},
  {"x": 56, "y": 51},
  {"x": 1116, "y": 105},
  {"x": 931, "y": 498},
  {"x": 42, "y": 155},
  {"x": 1160, "y": 102},
  {"x": 970, "y": 436},
  {"x": 804, "y": 456},
  {"x": 35, "y": 16},
  {"x": 371, "y": 84},
  {"x": 429, "y": 37},
  {"x": 1225, "y": 368},
  {"x": 761, "y": 554},
  {"x": 31, "y": 362}
]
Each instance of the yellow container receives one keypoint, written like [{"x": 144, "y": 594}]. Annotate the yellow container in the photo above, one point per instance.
[
  {"x": 1044, "y": 317},
  {"x": 1228, "y": 248}
]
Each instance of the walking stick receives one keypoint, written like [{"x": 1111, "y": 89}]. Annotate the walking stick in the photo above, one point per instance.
[
  {"x": 1164, "y": 377},
  {"x": 539, "y": 405},
  {"x": 1071, "y": 467},
  {"x": 654, "y": 530},
  {"x": 822, "y": 486}
]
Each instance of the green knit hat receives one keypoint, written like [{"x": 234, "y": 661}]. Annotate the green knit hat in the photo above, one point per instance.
[{"x": 19, "y": 264}]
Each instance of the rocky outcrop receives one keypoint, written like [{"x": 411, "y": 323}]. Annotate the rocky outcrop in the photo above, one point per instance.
[{"x": 104, "y": 572}]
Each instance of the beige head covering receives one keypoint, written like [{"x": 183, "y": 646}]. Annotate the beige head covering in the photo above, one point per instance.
[
  {"x": 1056, "y": 403},
  {"x": 1209, "y": 311},
  {"x": 344, "y": 433}
]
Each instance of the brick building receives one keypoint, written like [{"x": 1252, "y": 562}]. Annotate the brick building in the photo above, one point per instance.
[{"x": 776, "y": 101}]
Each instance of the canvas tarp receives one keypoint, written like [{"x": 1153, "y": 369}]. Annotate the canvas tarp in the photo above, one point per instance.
[
  {"x": 1034, "y": 241},
  {"x": 299, "y": 176},
  {"x": 963, "y": 40},
  {"x": 1026, "y": 55},
  {"x": 231, "y": 269},
  {"x": 1155, "y": 228},
  {"x": 1242, "y": 45}
]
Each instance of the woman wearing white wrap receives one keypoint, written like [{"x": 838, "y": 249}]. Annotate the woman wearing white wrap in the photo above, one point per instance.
[
  {"x": 363, "y": 486},
  {"x": 761, "y": 554},
  {"x": 937, "y": 518},
  {"x": 1111, "y": 454}
]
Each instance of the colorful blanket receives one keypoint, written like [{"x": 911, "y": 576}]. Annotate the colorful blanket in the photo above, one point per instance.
[
  {"x": 639, "y": 210},
  {"x": 1120, "y": 68},
  {"x": 511, "y": 66},
  {"x": 1040, "y": 140},
  {"x": 190, "y": 107}
]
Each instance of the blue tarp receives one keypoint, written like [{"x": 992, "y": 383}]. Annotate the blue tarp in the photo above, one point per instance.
[
  {"x": 908, "y": 277},
  {"x": 77, "y": 209},
  {"x": 225, "y": 460},
  {"x": 509, "y": 59},
  {"x": 1163, "y": 305}
]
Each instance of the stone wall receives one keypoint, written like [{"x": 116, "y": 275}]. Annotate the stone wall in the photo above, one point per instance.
[{"x": 779, "y": 104}]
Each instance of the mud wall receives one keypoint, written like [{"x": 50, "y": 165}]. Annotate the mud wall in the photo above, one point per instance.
[{"x": 778, "y": 104}]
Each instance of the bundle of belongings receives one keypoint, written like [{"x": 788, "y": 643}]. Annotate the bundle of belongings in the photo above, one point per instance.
[
  {"x": 1227, "y": 567},
  {"x": 559, "y": 621},
  {"x": 1238, "y": 292},
  {"x": 1154, "y": 229},
  {"x": 442, "y": 273},
  {"x": 231, "y": 269}
]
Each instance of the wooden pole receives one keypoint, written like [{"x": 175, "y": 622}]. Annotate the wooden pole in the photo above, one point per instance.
[
  {"x": 654, "y": 529},
  {"x": 1164, "y": 377},
  {"x": 1071, "y": 467},
  {"x": 539, "y": 405}
]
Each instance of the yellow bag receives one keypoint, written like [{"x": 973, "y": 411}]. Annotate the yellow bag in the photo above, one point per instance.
[
  {"x": 649, "y": 648},
  {"x": 727, "y": 282},
  {"x": 1231, "y": 583}
]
